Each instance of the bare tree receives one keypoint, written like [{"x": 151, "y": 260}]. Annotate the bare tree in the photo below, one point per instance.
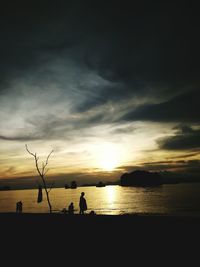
[{"x": 42, "y": 172}]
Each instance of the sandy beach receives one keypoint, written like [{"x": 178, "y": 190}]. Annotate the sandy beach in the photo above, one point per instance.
[
  {"x": 87, "y": 225},
  {"x": 139, "y": 238}
]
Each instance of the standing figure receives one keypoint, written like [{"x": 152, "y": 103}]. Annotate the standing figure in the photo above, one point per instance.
[
  {"x": 19, "y": 207},
  {"x": 82, "y": 203}
]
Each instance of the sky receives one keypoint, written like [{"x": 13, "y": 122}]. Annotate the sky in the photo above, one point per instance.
[{"x": 109, "y": 86}]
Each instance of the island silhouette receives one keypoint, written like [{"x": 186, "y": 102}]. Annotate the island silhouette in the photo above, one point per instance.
[{"x": 141, "y": 178}]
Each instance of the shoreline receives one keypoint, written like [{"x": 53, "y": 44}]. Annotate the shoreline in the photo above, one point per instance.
[{"x": 77, "y": 215}]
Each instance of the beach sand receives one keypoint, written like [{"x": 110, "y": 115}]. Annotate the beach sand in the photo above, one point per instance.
[
  {"x": 129, "y": 236},
  {"x": 89, "y": 225}
]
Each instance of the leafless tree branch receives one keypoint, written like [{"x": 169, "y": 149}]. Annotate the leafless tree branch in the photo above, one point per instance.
[
  {"x": 51, "y": 186},
  {"x": 42, "y": 172}
]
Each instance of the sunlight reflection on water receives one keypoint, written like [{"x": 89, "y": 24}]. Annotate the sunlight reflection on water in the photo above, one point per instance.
[{"x": 179, "y": 199}]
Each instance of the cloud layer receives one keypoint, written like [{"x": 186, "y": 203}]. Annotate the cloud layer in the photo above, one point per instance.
[{"x": 83, "y": 72}]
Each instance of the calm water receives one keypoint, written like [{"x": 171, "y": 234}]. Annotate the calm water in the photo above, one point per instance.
[{"x": 177, "y": 199}]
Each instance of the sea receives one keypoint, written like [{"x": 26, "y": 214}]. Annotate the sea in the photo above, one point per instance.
[{"x": 168, "y": 199}]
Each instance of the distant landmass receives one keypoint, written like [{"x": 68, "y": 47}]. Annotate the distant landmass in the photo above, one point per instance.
[
  {"x": 5, "y": 188},
  {"x": 141, "y": 178}
]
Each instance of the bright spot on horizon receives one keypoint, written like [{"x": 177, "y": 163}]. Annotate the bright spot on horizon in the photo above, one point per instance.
[
  {"x": 108, "y": 164},
  {"x": 108, "y": 157}
]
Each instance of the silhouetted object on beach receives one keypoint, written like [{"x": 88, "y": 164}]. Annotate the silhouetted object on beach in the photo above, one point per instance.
[
  {"x": 82, "y": 203},
  {"x": 92, "y": 213},
  {"x": 42, "y": 173},
  {"x": 71, "y": 208},
  {"x": 39, "y": 199},
  {"x": 66, "y": 186},
  {"x": 141, "y": 178},
  {"x": 73, "y": 185},
  {"x": 19, "y": 207},
  {"x": 100, "y": 184},
  {"x": 64, "y": 210}
]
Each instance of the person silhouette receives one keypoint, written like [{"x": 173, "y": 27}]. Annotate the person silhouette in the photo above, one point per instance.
[
  {"x": 71, "y": 208},
  {"x": 19, "y": 207},
  {"x": 82, "y": 203},
  {"x": 92, "y": 212}
]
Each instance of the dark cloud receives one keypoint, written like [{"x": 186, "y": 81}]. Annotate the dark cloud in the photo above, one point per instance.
[
  {"x": 182, "y": 108},
  {"x": 152, "y": 51},
  {"x": 138, "y": 44},
  {"x": 185, "y": 156},
  {"x": 32, "y": 32},
  {"x": 146, "y": 43},
  {"x": 18, "y": 138},
  {"x": 146, "y": 52},
  {"x": 185, "y": 138}
]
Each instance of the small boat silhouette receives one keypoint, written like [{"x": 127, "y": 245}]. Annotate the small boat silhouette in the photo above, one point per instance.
[{"x": 100, "y": 184}]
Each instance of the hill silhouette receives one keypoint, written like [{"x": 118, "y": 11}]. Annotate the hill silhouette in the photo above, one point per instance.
[{"x": 140, "y": 178}]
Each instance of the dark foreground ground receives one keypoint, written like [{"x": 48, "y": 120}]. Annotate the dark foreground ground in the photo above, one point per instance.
[
  {"x": 59, "y": 224},
  {"x": 84, "y": 237}
]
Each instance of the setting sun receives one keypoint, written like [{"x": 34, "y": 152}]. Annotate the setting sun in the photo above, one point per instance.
[
  {"x": 108, "y": 157},
  {"x": 109, "y": 164}
]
